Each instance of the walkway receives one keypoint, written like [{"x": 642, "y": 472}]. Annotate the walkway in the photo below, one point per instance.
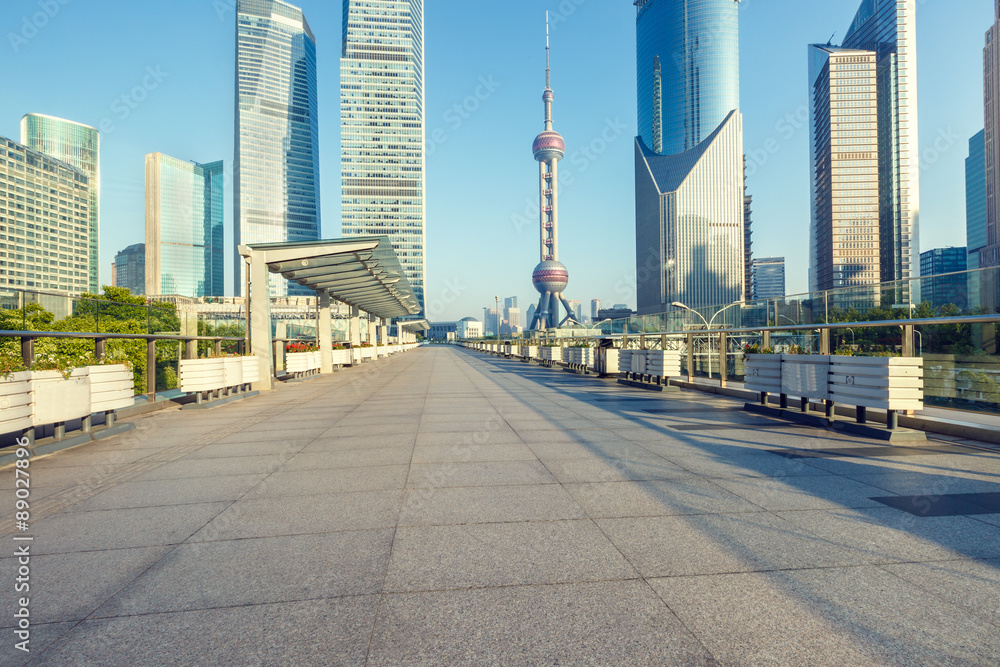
[{"x": 445, "y": 508}]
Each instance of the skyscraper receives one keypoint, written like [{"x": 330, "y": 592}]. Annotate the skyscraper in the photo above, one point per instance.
[
  {"x": 888, "y": 28},
  {"x": 184, "y": 234},
  {"x": 844, "y": 236},
  {"x": 689, "y": 184},
  {"x": 382, "y": 128},
  {"x": 45, "y": 215},
  {"x": 950, "y": 284},
  {"x": 595, "y": 305},
  {"x": 276, "y": 170},
  {"x": 975, "y": 210},
  {"x": 989, "y": 254},
  {"x": 78, "y": 146},
  {"x": 769, "y": 278},
  {"x": 130, "y": 269}
]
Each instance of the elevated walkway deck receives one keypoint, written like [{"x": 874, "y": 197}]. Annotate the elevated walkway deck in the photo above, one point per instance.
[{"x": 443, "y": 507}]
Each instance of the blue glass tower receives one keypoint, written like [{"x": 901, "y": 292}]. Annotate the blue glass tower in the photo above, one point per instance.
[
  {"x": 687, "y": 70},
  {"x": 689, "y": 187},
  {"x": 276, "y": 171}
]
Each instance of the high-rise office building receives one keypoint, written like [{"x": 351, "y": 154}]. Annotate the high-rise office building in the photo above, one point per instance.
[
  {"x": 888, "y": 28},
  {"x": 184, "y": 233},
  {"x": 989, "y": 254},
  {"x": 595, "y": 305},
  {"x": 577, "y": 309},
  {"x": 949, "y": 284},
  {"x": 78, "y": 146},
  {"x": 975, "y": 210},
  {"x": 382, "y": 128},
  {"x": 129, "y": 269},
  {"x": 768, "y": 278},
  {"x": 689, "y": 181},
  {"x": 276, "y": 171},
  {"x": 747, "y": 244},
  {"x": 844, "y": 235},
  {"x": 45, "y": 221}
]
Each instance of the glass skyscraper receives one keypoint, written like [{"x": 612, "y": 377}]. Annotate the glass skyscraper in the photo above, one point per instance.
[
  {"x": 382, "y": 128},
  {"x": 689, "y": 177},
  {"x": 888, "y": 28},
  {"x": 130, "y": 268},
  {"x": 989, "y": 254},
  {"x": 276, "y": 171},
  {"x": 184, "y": 227},
  {"x": 844, "y": 240},
  {"x": 769, "y": 278},
  {"x": 79, "y": 146},
  {"x": 44, "y": 222},
  {"x": 975, "y": 209}
]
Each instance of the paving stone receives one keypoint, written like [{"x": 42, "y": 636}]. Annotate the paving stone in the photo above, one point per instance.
[
  {"x": 159, "y": 493},
  {"x": 488, "y": 504},
  {"x": 657, "y": 498},
  {"x": 484, "y": 473}
]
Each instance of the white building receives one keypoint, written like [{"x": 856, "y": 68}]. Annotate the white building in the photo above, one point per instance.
[{"x": 469, "y": 327}]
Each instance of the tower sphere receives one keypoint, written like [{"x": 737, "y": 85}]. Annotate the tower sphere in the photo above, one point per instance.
[
  {"x": 550, "y": 276},
  {"x": 549, "y": 145}
]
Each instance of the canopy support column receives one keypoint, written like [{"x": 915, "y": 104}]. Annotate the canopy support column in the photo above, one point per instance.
[
  {"x": 260, "y": 320},
  {"x": 325, "y": 334}
]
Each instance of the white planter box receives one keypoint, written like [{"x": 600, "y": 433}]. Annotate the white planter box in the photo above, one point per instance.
[
  {"x": 663, "y": 363},
  {"x": 583, "y": 356},
  {"x": 805, "y": 375},
  {"x": 232, "y": 369},
  {"x": 763, "y": 373},
  {"x": 610, "y": 355},
  {"x": 638, "y": 362},
  {"x": 298, "y": 362},
  {"x": 367, "y": 353},
  {"x": 528, "y": 351},
  {"x": 341, "y": 357},
  {"x": 57, "y": 399},
  {"x": 886, "y": 383},
  {"x": 112, "y": 387},
  {"x": 251, "y": 369},
  {"x": 625, "y": 361},
  {"x": 550, "y": 353},
  {"x": 15, "y": 402},
  {"x": 202, "y": 374}
]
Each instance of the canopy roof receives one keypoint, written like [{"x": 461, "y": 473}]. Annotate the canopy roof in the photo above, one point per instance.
[{"x": 361, "y": 271}]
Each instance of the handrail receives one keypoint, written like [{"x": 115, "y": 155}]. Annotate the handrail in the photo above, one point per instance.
[{"x": 10, "y": 333}]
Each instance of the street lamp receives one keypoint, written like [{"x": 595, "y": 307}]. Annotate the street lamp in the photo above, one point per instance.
[
  {"x": 789, "y": 319},
  {"x": 497, "y": 297},
  {"x": 708, "y": 327}
]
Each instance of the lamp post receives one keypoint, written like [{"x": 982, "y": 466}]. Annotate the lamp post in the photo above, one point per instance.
[
  {"x": 497, "y": 297},
  {"x": 708, "y": 327}
]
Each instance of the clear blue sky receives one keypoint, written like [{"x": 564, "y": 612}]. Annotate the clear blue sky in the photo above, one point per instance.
[{"x": 481, "y": 175}]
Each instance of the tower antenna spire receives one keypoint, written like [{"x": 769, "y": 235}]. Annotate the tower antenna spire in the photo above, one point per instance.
[{"x": 548, "y": 71}]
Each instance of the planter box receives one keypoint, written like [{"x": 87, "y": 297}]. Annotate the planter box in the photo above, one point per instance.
[
  {"x": 341, "y": 357},
  {"x": 112, "y": 387},
  {"x": 529, "y": 351},
  {"x": 805, "y": 375},
  {"x": 367, "y": 353},
  {"x": 550, "y": 353},
  {"x": 638, "y": 362},
  {"x": 663, "y": 363},
  {"x": 625, "y": 361},
  {"x": 232, "y": 369},
  {"x": 57, "y": 399},
  {"x": 583, "y": 356},
  {"x": 15, "y": 402},
  {"x": 202, "y": 374},
  {"x": 251, "y": 369},
  {"x": 885, "y": 383},
  {"x": 609, "y": 365},
  {"x": 762, "y": 372},
  {"x": 299, "y": 362}
]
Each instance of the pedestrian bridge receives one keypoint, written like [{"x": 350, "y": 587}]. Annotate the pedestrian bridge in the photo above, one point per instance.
[{"x": 445, "y": 507}]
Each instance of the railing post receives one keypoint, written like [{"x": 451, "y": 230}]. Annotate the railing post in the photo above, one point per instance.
[
  {"x": 99, "y": 349},
  {"x": 151, "y": 368},
  {"x": 908, "y": 347},
  {"x": 27, "y": 350},
  {"x": 723, "y": 358},
  {"x": 824, "y": 341},
  {"x": 218, "y": 348},
  {"x": 690, "y": 350},
  {"x": 190, "y": 349},
  {"x": 765, "y": 340}
]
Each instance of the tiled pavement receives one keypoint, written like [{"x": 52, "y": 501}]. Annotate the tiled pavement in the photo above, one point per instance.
[{"x": 445, "y": 508}]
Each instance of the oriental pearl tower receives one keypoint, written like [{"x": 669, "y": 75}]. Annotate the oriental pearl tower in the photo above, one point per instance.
[{"x": 550, "y": 277}]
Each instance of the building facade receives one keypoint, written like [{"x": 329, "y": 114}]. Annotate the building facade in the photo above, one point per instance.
[
  {"x": 382, "y": 129},
  {"x": 689, "y": 176},
  {"x": 469, "y": 327},
  {"x": 595, "y": 305},
  {"x": 768, "y": 278},
  {"x": 129, "y": 269},
  {"x": 989, "y": 254},
  {"x": 944, "y": 280},
  {"x": 845, "y": 234},
  {"x": 975, "y": 210},
  {"x": 45, "y": 222},
  {"x": 888, "y": 28},
  {"x": 184, "y": 227},
  {"x": 78, "y": 146},
  {"x": 276, "y": 189}
]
